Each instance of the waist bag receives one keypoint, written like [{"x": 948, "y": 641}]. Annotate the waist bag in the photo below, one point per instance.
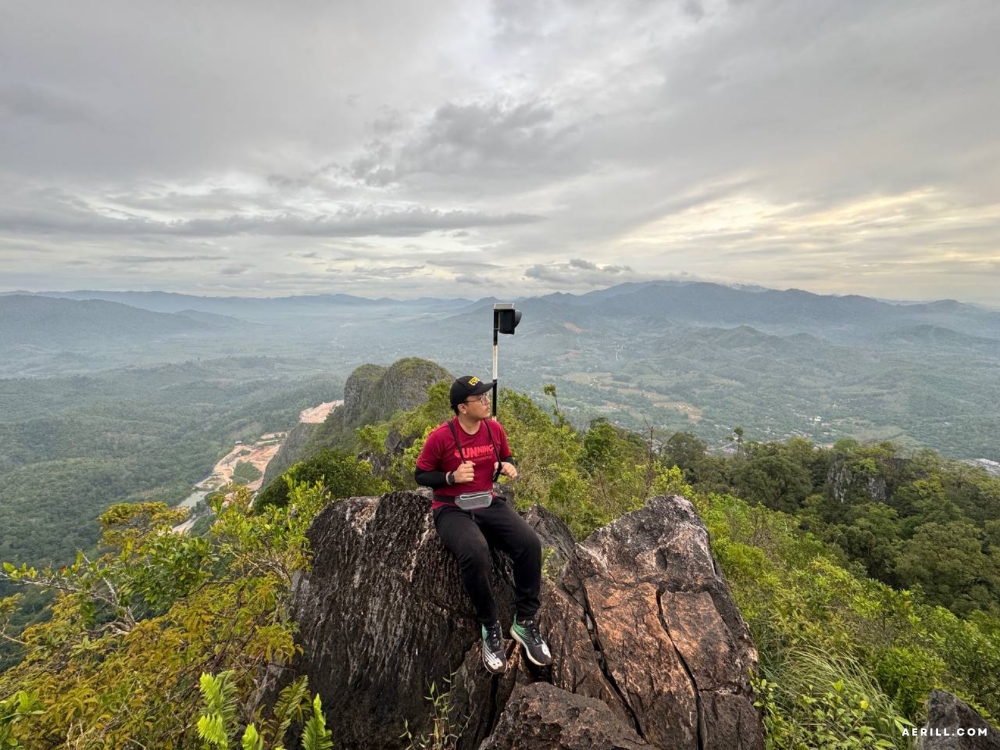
[{"x": 475, "y": 500}]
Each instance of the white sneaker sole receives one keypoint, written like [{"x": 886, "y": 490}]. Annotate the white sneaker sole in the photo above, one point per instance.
[
  {"x": 527, "y": 651},
  {"x": 499, "y": 668}
]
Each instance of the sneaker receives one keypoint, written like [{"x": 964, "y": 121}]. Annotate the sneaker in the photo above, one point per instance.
[
  {"x": 494, "y": 656},
  {"x": 526, "y": 633}
]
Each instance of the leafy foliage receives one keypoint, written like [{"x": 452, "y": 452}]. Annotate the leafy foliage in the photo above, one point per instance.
[
  {"x": 341, "y": 475},
  {"x": 819, "y": 701},
  {"x": 133, "y": 630},
  {"x": 218, "y": 724}
]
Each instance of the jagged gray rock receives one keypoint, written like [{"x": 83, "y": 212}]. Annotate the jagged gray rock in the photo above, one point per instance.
[
  {"x": 372, "y": 394},
  {"x": 543, "y": 717},
  {"x": 946, "y": 714},
  {"x": 847, "y": 485},
  {"x": 381, "y": 615},
  {"x": 673, "y": 647},
  {"x": 638, "y": 618}
]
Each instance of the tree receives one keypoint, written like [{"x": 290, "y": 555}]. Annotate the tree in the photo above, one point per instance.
[
  {"x": 773, "y": 481},
  {"x": 948, "y": 563},
  {"x": 738, "y": 437},
  {"x": 550, "y": 390},
  {"x": 684, "y": 450},
  {"x": 873, "y": 537}
]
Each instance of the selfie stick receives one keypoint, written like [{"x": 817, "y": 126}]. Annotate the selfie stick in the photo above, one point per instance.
[
  {"x": 505, "y": 320},
  {"x": 494, "y": 364}
]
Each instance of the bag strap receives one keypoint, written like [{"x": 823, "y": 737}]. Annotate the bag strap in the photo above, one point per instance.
[
  {"x": 486, "y": 422},
  {"x": 496, "y": 451},
  {"x": 451, "y": 426}
]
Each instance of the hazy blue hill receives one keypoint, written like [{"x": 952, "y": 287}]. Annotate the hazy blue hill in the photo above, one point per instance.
[
  {"x": 621, "y": 310},
  {"x": 932, "y": 337},
  {"x": 164, "y": 302},
  {"x": 599, "y": 295},
  {"x": 220, "y": 321},
  {"x": 839, "y": 318},
  {"x": 455, "y": 302},
  {"x": 73, "y": 324},
  {"x": 266, "y": 309},
  {"x": 716, "y": 304}
]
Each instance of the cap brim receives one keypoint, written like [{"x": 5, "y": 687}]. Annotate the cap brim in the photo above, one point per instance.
[{"x": 482, "y": 388}]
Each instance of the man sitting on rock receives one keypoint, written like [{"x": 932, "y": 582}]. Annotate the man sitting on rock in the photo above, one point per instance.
[{"x": 460, "y": 461}]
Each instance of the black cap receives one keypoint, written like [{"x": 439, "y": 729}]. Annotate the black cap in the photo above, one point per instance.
[{"x": 468, "y": 385}]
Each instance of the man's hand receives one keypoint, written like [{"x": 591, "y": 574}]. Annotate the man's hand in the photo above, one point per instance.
[
  {"x": 507, "y": 469},
  {"x": 465, "y": 473}
]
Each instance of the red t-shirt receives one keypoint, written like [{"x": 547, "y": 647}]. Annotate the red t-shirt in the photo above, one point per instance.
[{"x": 441, "y": 454}]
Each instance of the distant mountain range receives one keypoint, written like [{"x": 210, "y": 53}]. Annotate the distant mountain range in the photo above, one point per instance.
[
  {"x": 36, "y": 320},
  {"x": 681, "y": 355},
  {"x": 255, "y": 309},
  {"x": 835, "y": 318},
  {"x": 784, "y": 312},
  {"x": 89, "y": 323}
]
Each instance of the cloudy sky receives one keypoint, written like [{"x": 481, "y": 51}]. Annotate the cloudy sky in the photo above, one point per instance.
[{"x": 436, "y": 147}]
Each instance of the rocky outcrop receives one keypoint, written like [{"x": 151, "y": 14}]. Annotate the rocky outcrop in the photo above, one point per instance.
[
  {"x": 358, "y": 384},
  {"x": 649, "y": 648},
  {"x": 946, "y": 717},
  {"x": 543, "y": 717},
  {"x": 849, "y": 487},
  {"x": 372, "y": 394},
  {"x": 674, "y": 647}
]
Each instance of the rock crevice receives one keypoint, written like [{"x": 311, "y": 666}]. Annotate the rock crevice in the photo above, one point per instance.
[{"x": 603, "y": 664}]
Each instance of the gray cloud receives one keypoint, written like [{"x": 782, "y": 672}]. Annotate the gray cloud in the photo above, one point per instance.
[
  {"x": 133, "y": 259},
  {"x": 766, "y": 142},
  {"x": 384, "y": 272},
  {"x": 579, "y": 272},
  {"x": 499, "y": 145},
  {"x": 466, "y": 279},
  {"x": 35, "y": 103},
  {"x": 348, "y": 223}
]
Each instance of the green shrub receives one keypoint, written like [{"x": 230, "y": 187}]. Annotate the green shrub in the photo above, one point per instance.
[
  {"x": 341, "y": 474},
  {"x": 816, "y": 700}
]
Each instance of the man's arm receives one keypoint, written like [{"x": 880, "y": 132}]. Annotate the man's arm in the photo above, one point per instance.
[
  {"x": 508, "y": 466},
  {"x": 433, "y": 479},
  {"x": 428, "y": 471}
]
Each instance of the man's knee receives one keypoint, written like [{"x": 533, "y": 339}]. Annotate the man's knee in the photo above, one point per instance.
[
  {"x": 474, "y": 552},
  {"x": 530, "y": 546}
]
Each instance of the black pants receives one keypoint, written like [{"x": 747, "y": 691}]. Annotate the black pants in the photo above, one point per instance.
[{"x": 469, "y": 535}]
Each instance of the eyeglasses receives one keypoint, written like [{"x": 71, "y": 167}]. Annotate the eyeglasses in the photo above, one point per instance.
[{"x": 484, "y": 399}]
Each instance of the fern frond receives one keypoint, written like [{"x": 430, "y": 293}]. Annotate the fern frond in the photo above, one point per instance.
[
  {"x": 213, "y": 731},
  {"x": 252, "y": 740},
  {"x": 217, "y": 724},
  {"x": 290, "y": 706},
  {"x": 316, "y": 736}
]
